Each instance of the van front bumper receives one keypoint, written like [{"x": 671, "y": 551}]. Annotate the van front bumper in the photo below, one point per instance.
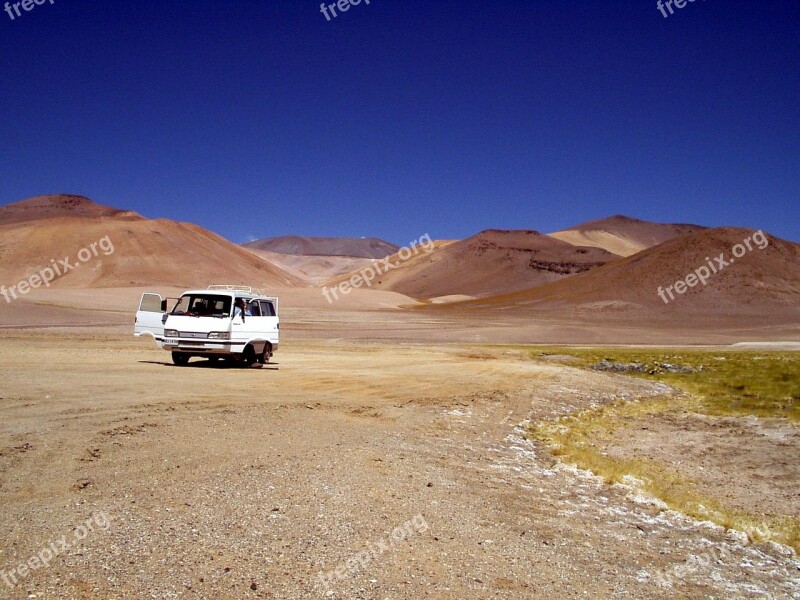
[
  {"x": 209, "y": 346},
  {"x": 203, "y": 346}
]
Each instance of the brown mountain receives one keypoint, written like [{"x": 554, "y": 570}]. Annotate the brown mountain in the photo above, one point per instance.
[
  {"x": 622, "y": 235},
  {"x": 491, "y": 262},
  {"x": 60, "y": 205},
  {"x": 763, "y": 282},
  {"x": 41, "y": 231},
  {"x": 325, "y": 246}
]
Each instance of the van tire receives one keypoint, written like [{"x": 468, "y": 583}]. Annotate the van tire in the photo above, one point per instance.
[
  {"x": 248, "y": 356},
  {"x": 180, "y": 359},
  {"x": 264, "y": 357}
]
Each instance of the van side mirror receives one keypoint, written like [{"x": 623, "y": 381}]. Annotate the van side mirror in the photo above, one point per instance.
[{"x": 163, "y": 306}]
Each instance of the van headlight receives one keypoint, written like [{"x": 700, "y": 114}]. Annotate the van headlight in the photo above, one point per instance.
[
  {"x": 171, "y": 333},
  {"x": 219, "y": 335}
]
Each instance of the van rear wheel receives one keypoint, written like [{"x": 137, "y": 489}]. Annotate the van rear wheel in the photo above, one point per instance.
[
  {"x": 264, "y": 357},
  {"x": 180, "y": 359}
]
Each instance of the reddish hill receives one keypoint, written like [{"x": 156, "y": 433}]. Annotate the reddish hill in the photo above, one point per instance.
[
  {"x": 762, "y": 282},
  {"x": 491, "y": 262},
  {"x": 63, "y": 205},
  {"x": 622, "y": 235},
  {"x": 145, "y": 252}
]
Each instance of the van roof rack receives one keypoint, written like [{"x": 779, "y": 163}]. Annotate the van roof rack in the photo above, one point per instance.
[
  {"x": 242, "y": 289},
  {"x": 232, "y": 288}
]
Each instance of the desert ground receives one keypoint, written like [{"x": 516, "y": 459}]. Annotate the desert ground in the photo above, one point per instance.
[
  {"x": 403, "y": 442},
  {"x": 219, "y": 482},
  {"x": 377, "y": 315}
]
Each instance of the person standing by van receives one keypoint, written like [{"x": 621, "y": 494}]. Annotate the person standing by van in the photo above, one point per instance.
[{"x": 239, "y": 309}]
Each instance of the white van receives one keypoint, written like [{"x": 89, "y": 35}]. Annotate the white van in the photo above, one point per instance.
[{"x": 201, "y": 323}]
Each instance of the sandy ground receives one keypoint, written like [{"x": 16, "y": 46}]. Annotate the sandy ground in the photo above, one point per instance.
[
  {"x": 368, "y": 315},
  {"x": 751, "y": 465},
  {"x": 401, "y": 465}
]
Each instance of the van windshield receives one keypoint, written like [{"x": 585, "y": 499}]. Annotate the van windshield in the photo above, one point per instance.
[{"x": 203, "y": 305}]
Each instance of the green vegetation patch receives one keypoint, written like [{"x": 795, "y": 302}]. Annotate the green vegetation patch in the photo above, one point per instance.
[{"x": 726, "y": 382}]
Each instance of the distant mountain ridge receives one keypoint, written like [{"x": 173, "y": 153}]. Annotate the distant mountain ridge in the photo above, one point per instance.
[
  {"x": 325, "y": 246},
  {"x": 623, "y": 235},
  {"x": 508, "y": 271},
  {"x": 492, "y": 262},
  {"x": 762, "y": 281}
]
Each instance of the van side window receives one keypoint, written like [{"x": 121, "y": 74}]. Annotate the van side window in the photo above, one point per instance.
[
  {"x": 254, "y": 310},
  {"x": 267, "y": 309}
]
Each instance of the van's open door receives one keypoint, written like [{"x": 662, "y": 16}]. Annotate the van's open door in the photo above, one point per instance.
[{"x": 149, "y": 317}]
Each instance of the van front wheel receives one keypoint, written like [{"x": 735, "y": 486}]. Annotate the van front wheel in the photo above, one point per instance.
[
  {"x": 248, "y": 356},
  {"x": 180, "y": 359}
]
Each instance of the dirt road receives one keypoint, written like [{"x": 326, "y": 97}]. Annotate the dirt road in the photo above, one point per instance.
[{"x": 404, "y": 467}]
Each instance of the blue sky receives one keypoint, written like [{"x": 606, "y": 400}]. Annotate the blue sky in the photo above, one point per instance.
[{"x": 403, "y": 117}]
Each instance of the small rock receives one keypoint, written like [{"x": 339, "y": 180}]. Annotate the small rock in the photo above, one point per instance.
[{"x": 82, "y": 484}]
